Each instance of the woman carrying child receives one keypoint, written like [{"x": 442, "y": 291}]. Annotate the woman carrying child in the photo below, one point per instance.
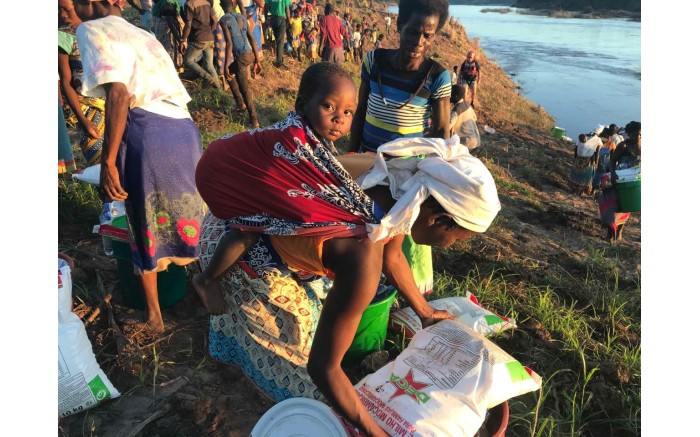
[{"x": 285, "y": 182}]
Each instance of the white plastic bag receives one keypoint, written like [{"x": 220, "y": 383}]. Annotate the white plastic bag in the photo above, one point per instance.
[
  {"x": 466, "y": 311},
  {"x": 81, "y": 382},
  {"x": 91, "y": 175},
  {"x": 443, "y": 383}
]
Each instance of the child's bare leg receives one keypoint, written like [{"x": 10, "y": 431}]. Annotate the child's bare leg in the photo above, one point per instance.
[
  {"x": 231, "y": 247},
  {"x": 149, "y": 281}
]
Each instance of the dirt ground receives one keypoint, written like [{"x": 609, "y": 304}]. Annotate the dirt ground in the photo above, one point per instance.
[
  {"x": 169, "y": 384},
  {"x": 171, "y": 387}
]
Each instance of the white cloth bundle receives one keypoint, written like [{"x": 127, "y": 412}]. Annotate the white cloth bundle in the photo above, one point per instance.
[{"x": 460, "y": 182}]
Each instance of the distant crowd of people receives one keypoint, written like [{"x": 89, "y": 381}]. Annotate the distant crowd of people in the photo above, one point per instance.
[{"x": 598, "y": 156}]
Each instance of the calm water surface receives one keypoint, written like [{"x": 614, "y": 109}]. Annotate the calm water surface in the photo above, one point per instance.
[{"x": 583, "y": 72}]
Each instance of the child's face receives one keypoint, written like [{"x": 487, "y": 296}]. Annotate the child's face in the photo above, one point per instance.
[{"x": 331, "y": 108}]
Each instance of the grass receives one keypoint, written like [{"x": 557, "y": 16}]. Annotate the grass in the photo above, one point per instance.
[
  {"x": 570, "y": 368},
  {"x": 580, "y": 333}
]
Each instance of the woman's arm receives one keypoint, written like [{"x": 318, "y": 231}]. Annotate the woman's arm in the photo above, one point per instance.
[
  {"x": 65, "y": 76},
  {"x": 356, "y": 264},
  {"x": 614, "y": 157},
  {"x": 398, "y": 273},
  {"x": 116, "y": 110},
  {"x": 358, "y": 121},
  {"x": 441, "y": 118}
]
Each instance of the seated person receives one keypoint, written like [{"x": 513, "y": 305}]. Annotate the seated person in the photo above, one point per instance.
[{"x": 463, "y": 119}]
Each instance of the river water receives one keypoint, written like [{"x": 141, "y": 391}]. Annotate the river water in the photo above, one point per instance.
[{"x": 583, "y": 72}]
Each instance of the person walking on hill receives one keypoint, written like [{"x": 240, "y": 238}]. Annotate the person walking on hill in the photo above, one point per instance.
[
  {"x": 198, "y": 37},
  {"x": 279, "y": 17},
  {"x": 627, "y": 154},
  {"x": 332, "y": 32},
  {"x": 356, "y": 42},
  {"x": 241, "y": 47},
  {"x": 583, "y": 167},
  {"x": 470, "y": 75}
]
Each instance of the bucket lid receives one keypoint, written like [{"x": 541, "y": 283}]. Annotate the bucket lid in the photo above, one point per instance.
[{"x": 299, "y": 417}]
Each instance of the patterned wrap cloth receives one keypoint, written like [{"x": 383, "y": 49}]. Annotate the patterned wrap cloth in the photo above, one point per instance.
[{"x": 285, "y": 171}]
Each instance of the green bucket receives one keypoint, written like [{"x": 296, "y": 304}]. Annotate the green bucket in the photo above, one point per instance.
[
  {"x": 558, "y": 132},
  {"x": 630, "y": 195},
  {"x": 171, "y": 283},
  {"x": 371, "y": 332}
]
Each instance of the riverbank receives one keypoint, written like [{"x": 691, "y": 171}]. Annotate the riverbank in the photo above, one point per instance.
[
  {"x": 560, "y": 13},
  {"x": 543, "y": 262}
]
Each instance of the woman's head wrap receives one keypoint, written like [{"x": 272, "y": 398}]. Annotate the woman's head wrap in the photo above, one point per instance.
[{"x": 444, "y": 169}]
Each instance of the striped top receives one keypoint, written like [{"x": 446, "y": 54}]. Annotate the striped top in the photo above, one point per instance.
[{"x": 390, "y": 114}]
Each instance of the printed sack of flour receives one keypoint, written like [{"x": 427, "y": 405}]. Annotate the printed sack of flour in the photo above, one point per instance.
[
  {"x": 81, "y": 382},
  {"x": 466, "y": 310},
  {"x": 443, "y": 383}
]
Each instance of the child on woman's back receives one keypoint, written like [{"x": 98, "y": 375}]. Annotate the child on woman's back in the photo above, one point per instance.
[{"x": 325, "y": 104}]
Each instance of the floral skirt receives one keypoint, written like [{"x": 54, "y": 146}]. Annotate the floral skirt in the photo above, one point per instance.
[
  {"x": 581, "y": 175},
  {"x": 156, "y": 162},
  {"x": 272, "y": 320}
]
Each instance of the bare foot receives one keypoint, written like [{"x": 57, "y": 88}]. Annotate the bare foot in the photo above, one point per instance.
[
  {"x": 210, "y": 294},
  {"x": 155, "y": 324}
]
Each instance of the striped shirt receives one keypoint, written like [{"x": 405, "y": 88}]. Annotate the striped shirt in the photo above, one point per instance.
[{"x": 390, "y": 115}]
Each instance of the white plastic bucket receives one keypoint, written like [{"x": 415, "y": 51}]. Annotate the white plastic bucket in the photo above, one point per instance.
[{"x": 299, "y": 417}]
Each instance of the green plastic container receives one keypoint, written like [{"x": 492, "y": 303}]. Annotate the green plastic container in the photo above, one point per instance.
[
  {"x": 630, "y": 195},
  {"x": 171, "y": 283},
  {"x": 371, "y": 332},
  {"x": 558, "y": 132}
]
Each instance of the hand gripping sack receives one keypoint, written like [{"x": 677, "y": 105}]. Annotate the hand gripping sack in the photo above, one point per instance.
[
  {"x": 466, "y": 310},
  {"x": 81, "y": 382}
]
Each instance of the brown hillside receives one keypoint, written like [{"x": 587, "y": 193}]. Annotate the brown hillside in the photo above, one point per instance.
[{"x": 545, "y": 240}]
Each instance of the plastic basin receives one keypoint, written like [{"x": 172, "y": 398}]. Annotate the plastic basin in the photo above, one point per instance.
[
  {"x": 630, "y": 195},
  {"x": 558, "y": 132},
  {"x": 371, "y": 332},
  {"x": 171, "y": 283}
]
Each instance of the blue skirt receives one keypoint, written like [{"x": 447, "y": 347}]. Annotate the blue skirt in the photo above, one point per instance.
[{"x": 157, "y": 159}]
